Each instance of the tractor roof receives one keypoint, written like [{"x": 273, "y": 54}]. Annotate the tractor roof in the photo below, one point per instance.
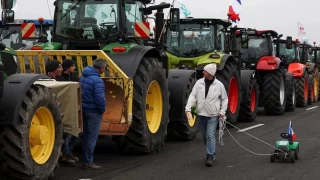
[
  {"x": 284, "y": 41},
  {"x": 260, "y": 32},
  {"x": 205, "y": 21}
]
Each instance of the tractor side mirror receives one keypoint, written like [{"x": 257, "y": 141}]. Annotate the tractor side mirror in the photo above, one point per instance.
[
  {"x": 244, "y": 40},
  {"x": 1, "y": 79},
  {"x": 289, "y": 42},
  {"x": 174, "y": 19},
  {"x": 7, "y": 4},
  {"x": 8, "y": 16}
]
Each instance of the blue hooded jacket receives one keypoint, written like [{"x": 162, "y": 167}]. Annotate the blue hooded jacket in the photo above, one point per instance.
[{"x": 93, "y": 97}]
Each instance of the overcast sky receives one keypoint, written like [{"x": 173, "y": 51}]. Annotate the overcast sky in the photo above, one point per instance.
[{"x": 279, "y": 15}]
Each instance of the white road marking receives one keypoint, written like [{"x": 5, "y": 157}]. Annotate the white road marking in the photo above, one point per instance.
[
  {"x": 311, "y": 108},
  {"x": 251, "y": 127}
]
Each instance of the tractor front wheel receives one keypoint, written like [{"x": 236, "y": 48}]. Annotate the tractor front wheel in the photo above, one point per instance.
[
  {"x": 150, "y": 108},
  {"x": 302, "y": 88},
  {"x": 291, "y": 98},
  {"x": 30, "y": 149},
  {"x": 274, "y": 91}
]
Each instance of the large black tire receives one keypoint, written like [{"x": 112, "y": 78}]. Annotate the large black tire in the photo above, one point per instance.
[
  {"x": 291, "y": 93},
  {"x": 16, "y": 160},
  {"x": 182, "y": 129},
  {"x": 139, "y": 138},
  {"x": 229, "y": 75},
  {"x": 274, "y": 91},
  {"x": 302, "y": 84},
  {"x": 310, "y": 90},
  {"x": 250, "y": 91}
]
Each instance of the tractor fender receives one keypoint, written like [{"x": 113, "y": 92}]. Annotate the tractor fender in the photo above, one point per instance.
[
  {"x": 178, "y": 82},
  {"x": 268, "y": 63},
  {"x": 310, "y": 67},
  {"x": 245, "y": 82},
  {"x": 224, "y": 59},
  {"x": 14, "y": 90},
  {"x": 297, "y": 69},
  {"x": 129, "y": 62}
]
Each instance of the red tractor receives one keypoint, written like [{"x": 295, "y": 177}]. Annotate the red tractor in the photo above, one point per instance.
[
  {"x": 290, "y": 55},
  {"x": 276, "y": 85}
]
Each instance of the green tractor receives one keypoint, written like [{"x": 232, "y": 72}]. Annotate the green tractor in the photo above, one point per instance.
[
  {"x": 124, "y": 35},
  {"x": 30, "y": 119},
  {"x": 201, "y": 41}
]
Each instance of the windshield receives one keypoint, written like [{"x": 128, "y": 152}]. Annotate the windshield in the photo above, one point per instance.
[
  {"x": 86, "y": 19},
  {"x": 257, "y": 47},
  {"x": 307, "y": 57},
  {"x": 195, "y": 40},
  {"x": 288, "y": 54},
  {"x": 15, "y": 40}
]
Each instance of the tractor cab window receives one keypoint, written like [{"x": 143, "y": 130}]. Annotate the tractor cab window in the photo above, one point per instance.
[
  {"x": 89, "y": 19},
  {"x": 11, "y": 36},
  {"x": 288, "y": 55},
  {"x": 258, "y": 47},
  {"x": 133, "y": 15},
  {"x": 195, "y": 40},
  {"x": 306, "y": 56}
]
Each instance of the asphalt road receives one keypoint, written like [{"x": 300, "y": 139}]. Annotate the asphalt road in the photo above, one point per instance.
[{"x": 185, "y": 160}]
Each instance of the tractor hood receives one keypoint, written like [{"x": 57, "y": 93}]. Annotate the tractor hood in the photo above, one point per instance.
[
  {"x": 212, "y": 57},
  {"x": 48, "y": 46}
]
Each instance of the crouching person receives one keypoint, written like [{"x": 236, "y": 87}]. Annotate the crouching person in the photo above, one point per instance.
[{"x": 211, "y": 100}]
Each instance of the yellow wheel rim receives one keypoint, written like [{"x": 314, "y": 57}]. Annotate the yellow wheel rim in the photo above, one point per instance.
[
  {"x": 154, "y": 106},
  {"x": 316, "y": 84},
  {"x": 41, "y": 135}
]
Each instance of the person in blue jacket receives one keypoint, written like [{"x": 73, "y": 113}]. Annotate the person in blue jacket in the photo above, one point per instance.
[{"x": 93, "y": 106}]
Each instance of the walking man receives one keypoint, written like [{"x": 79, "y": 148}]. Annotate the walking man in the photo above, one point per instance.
[
  {"x": 93, "y": 106},
  {"x": 210, "y": 97},
  {"x": 70, "y": 140}
]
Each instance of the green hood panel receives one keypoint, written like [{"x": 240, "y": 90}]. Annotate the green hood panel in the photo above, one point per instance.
[
  {"x": 109, "y": 47},
  {"x": 50, "y": 45},
  {"x": 9, "y": 51},
  {"x": 174, "y": 61}
]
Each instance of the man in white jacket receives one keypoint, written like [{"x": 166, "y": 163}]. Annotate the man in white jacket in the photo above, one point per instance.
[{"x": 211, "y": 100}]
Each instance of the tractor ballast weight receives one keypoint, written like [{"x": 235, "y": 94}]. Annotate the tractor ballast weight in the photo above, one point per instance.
[{"x": 270, "y": 71}]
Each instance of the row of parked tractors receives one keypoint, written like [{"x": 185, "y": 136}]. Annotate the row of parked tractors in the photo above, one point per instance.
[{"x": 148, "y": 80}]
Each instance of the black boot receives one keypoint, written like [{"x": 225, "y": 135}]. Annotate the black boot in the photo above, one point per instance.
[{"x": 209, "y": 160}]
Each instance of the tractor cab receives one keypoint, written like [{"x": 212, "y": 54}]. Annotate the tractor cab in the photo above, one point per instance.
[
  {"x": 25, "y": 32},
  {"x": 288, "y": 50},
  {"x": 316, "y": 54},
  {"x": 196, "y": 37},
  {"x": 255, "y": 44},
  {"x": 306, "y": 50}
]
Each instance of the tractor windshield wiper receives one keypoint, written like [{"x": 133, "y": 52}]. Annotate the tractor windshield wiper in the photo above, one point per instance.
[{"x": 78, "y": 3}]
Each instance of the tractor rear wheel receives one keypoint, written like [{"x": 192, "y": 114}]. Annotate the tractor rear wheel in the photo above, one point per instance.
[
  {"x": 311, "y": 90},
  {"x": 229, "y": 77},
  {"x": 291, "y": 91},
  {"x": 30, "y": 149},
  {"x": 150, "y": 108},
  {"x": 250, "y": 91},
  {"x": 302, "y": 87},
  {"x": 274, "y": 91},
  {"x": 183, "y": 129}
]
